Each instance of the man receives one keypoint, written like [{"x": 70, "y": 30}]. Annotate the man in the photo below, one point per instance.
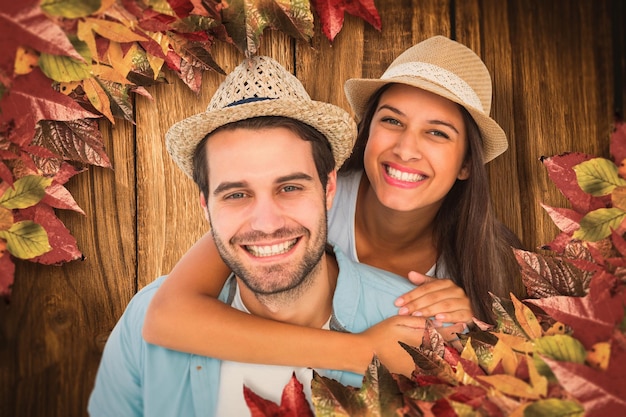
[{"x": 264, "y": 157}]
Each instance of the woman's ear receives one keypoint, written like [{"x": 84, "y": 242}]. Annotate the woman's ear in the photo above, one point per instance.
[{"x": 465, "y": 171}]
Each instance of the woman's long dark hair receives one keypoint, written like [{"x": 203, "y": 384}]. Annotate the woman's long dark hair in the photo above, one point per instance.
[{"x": 472, "y": 244}]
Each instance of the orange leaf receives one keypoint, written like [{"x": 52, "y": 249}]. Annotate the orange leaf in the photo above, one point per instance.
[
  {"x": 526, "y": 319},
  {"x": 114, "y": 31},
  {"x": 516, "y": 343},
  {"x": 510, "y": 385},
  {"x": 98, "y": 97},
  {"x": 25, "y": 60}
]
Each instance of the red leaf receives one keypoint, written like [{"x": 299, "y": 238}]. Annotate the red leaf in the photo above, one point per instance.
[
  {"x": 593, "y": 317},
  {"x": 293, "y": 402},
  {"x": 58, "y": 196},
  {"x": 331, "y": 13},
  {"x": 26, "y": 25},
  {"x": 7, "y": 274},
  {"x": 32, "y": 97},
  {"x": 64, "y": 248},
  {"x": 561, "y": 172},
  {"x": 618, "y": 143},
  {"x": 566, "y": 220},
  {"x": 601, "y": 393}
]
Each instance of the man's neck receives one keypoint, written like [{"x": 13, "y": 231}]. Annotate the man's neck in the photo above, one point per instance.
[{"x": 310, "y": 306}]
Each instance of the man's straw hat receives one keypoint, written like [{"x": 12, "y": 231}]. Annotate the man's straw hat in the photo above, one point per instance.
[
  {"x": 446, "y": 68},
  {"x": 260, "y": 86}
]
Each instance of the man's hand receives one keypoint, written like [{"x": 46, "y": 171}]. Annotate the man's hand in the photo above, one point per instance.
[{"x": 440, "y": 299}]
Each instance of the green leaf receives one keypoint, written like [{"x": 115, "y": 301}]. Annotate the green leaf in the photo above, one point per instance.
[
  {"x": 26, "y": 192},
  {"x": 70, "y": 9},
  {"x": 561, "y": 347},
  {"x": 598, "y": 176},
  {"x": 64, "y": 69},
  {"x": 26, "y": 239},
  {"x": 554, "y": 407},
  {"x": 597, "y": 224}
]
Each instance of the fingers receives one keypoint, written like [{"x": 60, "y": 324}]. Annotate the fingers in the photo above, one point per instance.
[{"x": 439, "y": 298}]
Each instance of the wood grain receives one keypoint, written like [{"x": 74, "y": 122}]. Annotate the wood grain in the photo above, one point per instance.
[{"x": 558, "y": 69}]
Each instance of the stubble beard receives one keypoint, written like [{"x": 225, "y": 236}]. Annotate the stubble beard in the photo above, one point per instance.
[{"x": 276, "y": 285}]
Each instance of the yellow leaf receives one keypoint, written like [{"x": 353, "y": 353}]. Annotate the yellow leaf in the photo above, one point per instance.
[
  {"x": 6, "y": 218},
  {"x": 113, "y": 31},
  {"x": 155, "y": 63},
  {"x": 98, "y": 97},
  {"x": 618, "y": 198},
  {"x": 67, "y": 88},
  {"x": 517, "y": 343},
  {"x": 556, "y": 328},
  {"x": 538, "y": 382},
  {"x": 598, "y": 176},
  {"x": 26, "y": 239},
  {"x": 63, "y": 68},
  {"x": 85, "y": 34},
  {"x": 162, "y": 6},
  {"x": 468, "y": 352},
  {"x": 70, "y": 9},
  {"x": 25, "y": 60},
  {"x": 510, "y": 385},
  {"x": 561, "y": 347},
  {"x": 598, "y": 356},
  {"x": 26, "y": 192},
  {"x": 463, "y": 377},
  {"x": 116, "y": 59},
  {"x": 597, "y": 224},
  {"x": 104, "y": 72},
  {"x": 526, "y": 319},
  {"x": 503, "y": 352},
  {"x": 106, "y": 4}
]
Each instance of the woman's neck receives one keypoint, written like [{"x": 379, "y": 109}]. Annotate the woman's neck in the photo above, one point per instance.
[{"x": 397, "y": 241}]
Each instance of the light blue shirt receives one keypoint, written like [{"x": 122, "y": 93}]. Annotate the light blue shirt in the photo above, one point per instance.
[{"x": 136, "y": 378}]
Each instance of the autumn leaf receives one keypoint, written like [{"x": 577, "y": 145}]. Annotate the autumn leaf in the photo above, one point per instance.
[
  {"x": 63, "y": 69},
  {"x": 98, "y": 97},
  {"x": 70, "y": 9},
  {"x": 561, "y": 172},
  {"x": 245, "y": 21},
  {"x": 593, "y": 317},
  {"x": 526, "y": 319},
  {"x": 546, "y": 276},
  {"x": 59, "y": 197},
  {"x": 76, "y": 140},
  {"x": 293, "y": 402},
  {"x": 554, "y": 407},
  {"x": 26, "y": 192},
  {"x": 63, "y": 246},
  {"x": 26, "y": 239},
  {"x": 598, "y": 176},
  {"x": 24, "y": 24},
  {"x": 7, "y": 273},
  {"x": 597, "y": 224},
  {"x": 331, "y": 14},
  {"x": 32, "y": 99}
]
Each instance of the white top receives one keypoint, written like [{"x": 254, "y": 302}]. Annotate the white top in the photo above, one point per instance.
[
  {"x": 266, "y": 381},
  {"x": 341, "y": 218}
]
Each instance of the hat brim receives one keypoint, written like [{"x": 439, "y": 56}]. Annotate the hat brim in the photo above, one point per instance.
[
  {"x": 359, "y": 90},
  {"x": 334, "y": 123}
]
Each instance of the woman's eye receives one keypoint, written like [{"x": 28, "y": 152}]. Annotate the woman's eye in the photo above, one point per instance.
[
  {"x": 440, "y": 134},
  {"x": 391, "y": 120}
]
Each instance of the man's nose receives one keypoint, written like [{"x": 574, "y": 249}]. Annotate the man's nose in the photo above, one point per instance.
[{"x": 267, "y": 215}]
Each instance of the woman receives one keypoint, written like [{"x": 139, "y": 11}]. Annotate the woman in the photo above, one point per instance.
[{"x": 422, "y": 209}]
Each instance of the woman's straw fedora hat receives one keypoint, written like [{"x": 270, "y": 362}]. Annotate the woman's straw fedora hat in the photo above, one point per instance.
[
  {"x": 260, "y": 86},
  {"x": 446, "y": 68}
]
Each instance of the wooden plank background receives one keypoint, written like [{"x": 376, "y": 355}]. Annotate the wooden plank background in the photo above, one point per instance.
[{"x": 559, "y": 71}]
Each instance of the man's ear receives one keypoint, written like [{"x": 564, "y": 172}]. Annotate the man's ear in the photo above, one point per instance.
[
  {"x": 203, "y": 204},
  {"x": 331, "y": 188}
]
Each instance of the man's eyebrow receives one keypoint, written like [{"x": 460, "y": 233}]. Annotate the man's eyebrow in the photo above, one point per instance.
[
  {"x": 229, "y": 185},
  {"x": 225, "y": 186},
  {"x": 435, "y": 121}
]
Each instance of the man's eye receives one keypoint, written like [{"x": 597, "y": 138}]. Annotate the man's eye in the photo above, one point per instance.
[
  {"x": 234, "y": 196},
  {"x": 290, "y": 188}
]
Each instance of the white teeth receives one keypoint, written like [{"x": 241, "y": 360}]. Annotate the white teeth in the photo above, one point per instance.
[
  {"x": 271, "y": 250},
  {"x": 403, "y": 176}
]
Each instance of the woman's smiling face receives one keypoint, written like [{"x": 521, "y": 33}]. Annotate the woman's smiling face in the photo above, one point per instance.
[{"x": 416, "y": 148}]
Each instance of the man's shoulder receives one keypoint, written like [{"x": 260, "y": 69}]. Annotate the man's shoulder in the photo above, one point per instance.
[{"x": 368, "y": 276}]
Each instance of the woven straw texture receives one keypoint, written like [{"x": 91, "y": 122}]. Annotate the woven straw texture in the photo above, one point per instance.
[
  {"x": 260, "y": 86},
  {"x": 446, "y": 68}
]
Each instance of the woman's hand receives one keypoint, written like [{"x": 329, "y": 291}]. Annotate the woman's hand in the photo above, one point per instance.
[{"x": 439, "y": 298}]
